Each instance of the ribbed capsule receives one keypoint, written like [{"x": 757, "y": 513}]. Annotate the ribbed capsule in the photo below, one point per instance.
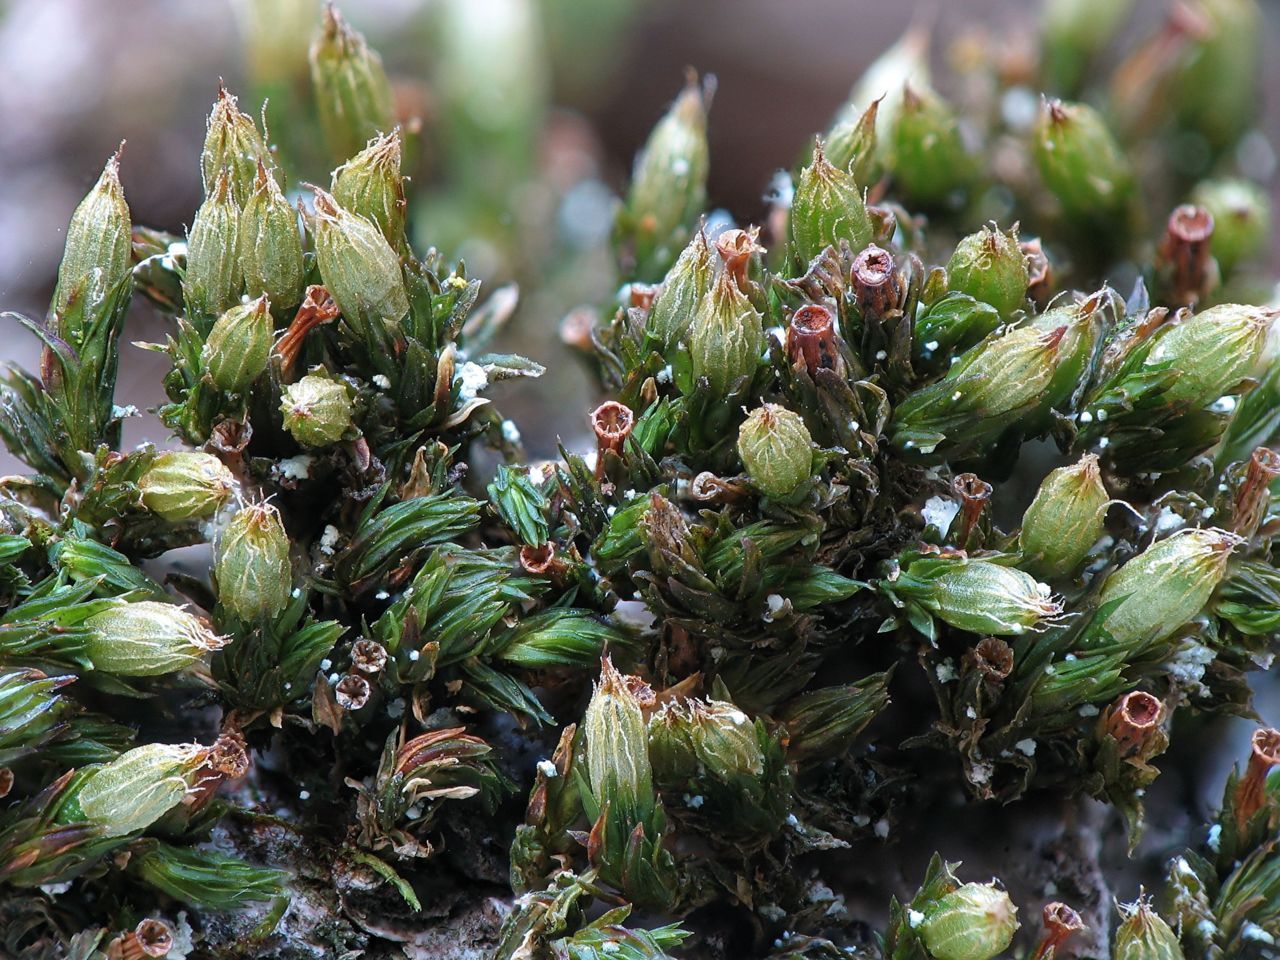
[
  {"x": 353, "y": 95},
  {"x": 713, "y": 736},
  {"x": 255, "y": 576},
  {"x": 776, "y": 449},
  {"x": 927, "y": 154},
  {"x": 974, "y": 922},
  {"x": 1212, "y": 351},
  {"x": 359, "y": 268},
  {"x": 370, "y": 184},
  {"x": 316, "y": 410},
  {"x": 215, "y": 275},
  {"x": 98, "y": 253},
  {"x": 685, "y": 286},
  {"x": 618, "y": 767},
  {"x": 996, "y": 383},
  {"x": 827, "y": 207},
  {"x": 726, "y": 341},
  {"x": 668, "y": 184},
  {"x": 1165, "y": 586},
  {"x": 989, "y": 266},
  {"x": 1082, "y": 164},
  {"x": 1064, "y": 520},
  {"x": 978, "y": 595},
  {"x": 147, "y": 638},
  {"x": 232, "y": 143},
  {"x": 1143, "y": 935},
  {"x": 271, "y": 246},
  {"x": 185, "y": 485},
  {"x": 1241, "y": 212},
  {"x": 239, "y": 345},
  {"x": 139, "y": 787}
]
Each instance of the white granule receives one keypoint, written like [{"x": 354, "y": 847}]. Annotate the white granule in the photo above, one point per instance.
[{"x": 471, "y": 378}]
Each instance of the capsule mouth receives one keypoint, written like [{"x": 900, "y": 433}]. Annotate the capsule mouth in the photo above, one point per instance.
[
  {"x": 993, "y": 658},
  {"x": 368, "y": 656},
  {"x": 971, "y": 487},
  {"x": 1141, "y": 709},
  {"x": 812, "y": 320},
  {"x": 873, "y": 267},
  {"x": 612, "y": 422},
  {"x": 1266, "y": 461},
  {"x": 1266, "y": 746},
  {"x": 155, "y": 937},
  {"x": 1191, "y": 224},
  {"x": 1062, "y": 919},
  {"x": 352, "y": 692},
  {"x": 538, "y": 559}
]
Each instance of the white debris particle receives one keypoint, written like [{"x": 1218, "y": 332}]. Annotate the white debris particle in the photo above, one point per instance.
[
  {"x": 329, "y": 539},
  {"x": 946, "y": 671},
  {"x": 382, "y": 595},
  {"x": 471, "y": 378},
  {"x": 304, "y": 795},
  {"x": 1088, "y": 710},
  {"x": 1223, "y": 405},
  {"x": 915, "y": 918},
  {"x": 382, "y": 381},
  {"x": 693, "y": 803},
  {"x": 1085, "y": 417},
  {"x": 931, "y": 345},
  {"x": 395, "y": 709},
  {"x": 939, "y": 512},
  {"x": 880, "y": 355},
  {"x": 1215, "y": 837},
  {"x": 1027, "y": 746},
  {"x": 980, "y": 772},
  {"x": 773, "y": 606},
  {"x": 510, "y": 432},
  {"x": 861, "y": 820},
  {"x": 971, "y": 713},
  {"x": 665, "y": 374},
  {"x": 414, "y": 655},
  {"x": 634, "y": 613},
  {"x": 1251, "y": 931},
  {"x": 326, "y": 663},
  {"x": 1167, "y": 520},
  {"x": 548, "y": 769},
  {"x": 296, "y": 468},
  {"x": 881, "y": 829}
]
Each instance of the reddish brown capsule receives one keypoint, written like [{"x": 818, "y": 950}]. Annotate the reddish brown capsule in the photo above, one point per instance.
[
  {"x": 6, "y": 781},
  {"x": 993, "y": 658},
  {"x": 1251, "y": 790},
  {"x": 352, "y": 692},
  {"x": 811, "y": 338},
  {"x": 542, "y": 561},
  {"x": 735, "y": 248},
  {"x": 1039, "y": 273},
  {"x": 974, "y": 494},
  {"x": 1185, "y": 254},
  {"x": 877, "y": 284},
  {"x": 1134, "y": 721},
  {"x": 1060, "y": 922},
  {"x": 612, "y": 422},
  {"x": 318, "y": 307},
  {"x": 706, "y": 487},
  {"x": 1254, "y": 495},
  {"x": 642, "y": 295},
  {"x": 369, "y": 657}
]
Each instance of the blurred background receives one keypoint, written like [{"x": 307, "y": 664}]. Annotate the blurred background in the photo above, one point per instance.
[{"x": 531, "y": 113}]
